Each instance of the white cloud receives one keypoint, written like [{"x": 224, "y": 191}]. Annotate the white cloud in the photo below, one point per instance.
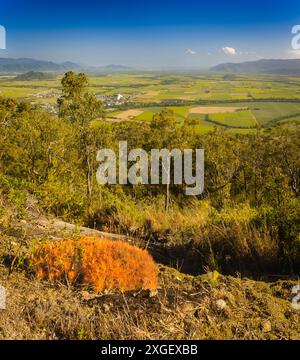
[
  {"x": 229, "y": 51},
  {"x": 294, "y": 53},
  {"x": 190, "y": 52}
]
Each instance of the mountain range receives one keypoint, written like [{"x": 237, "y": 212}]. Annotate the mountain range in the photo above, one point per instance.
[
  {"x": 21, "y": 65},
  {"x": 264, "y": 66}
]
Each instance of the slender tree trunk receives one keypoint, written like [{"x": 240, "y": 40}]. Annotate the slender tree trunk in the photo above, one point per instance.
[{"x": 168, "y": 197}]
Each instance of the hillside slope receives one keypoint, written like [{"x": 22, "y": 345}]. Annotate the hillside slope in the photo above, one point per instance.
[
  {"x": 34, "y": 75},
  {"x": 208, "y": 306}
]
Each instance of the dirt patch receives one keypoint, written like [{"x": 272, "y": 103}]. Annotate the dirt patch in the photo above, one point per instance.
[
  {"x": 214, "y": 109},
  {"x": 129, "y": 114}
]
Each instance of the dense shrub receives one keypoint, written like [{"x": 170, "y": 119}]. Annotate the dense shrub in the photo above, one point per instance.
[{"x": 101, "y": 263}]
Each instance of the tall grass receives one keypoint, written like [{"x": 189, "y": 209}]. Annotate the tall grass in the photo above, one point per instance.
[{"x": 236, "y": 238}]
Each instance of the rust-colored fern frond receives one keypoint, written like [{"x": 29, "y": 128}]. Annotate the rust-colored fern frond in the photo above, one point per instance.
[{"x": 101, "y": 263}]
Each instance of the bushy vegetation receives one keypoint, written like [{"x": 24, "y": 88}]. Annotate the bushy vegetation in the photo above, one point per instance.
[
  {"x": 101, "y": 263},
  {"x": 248, "y": 217}
]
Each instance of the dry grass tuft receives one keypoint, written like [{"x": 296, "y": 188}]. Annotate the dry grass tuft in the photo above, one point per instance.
[{"x": 101, "y": 263}]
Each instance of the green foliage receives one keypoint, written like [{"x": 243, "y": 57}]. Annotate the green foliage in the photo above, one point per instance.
[{"x": 74, "y": 85}]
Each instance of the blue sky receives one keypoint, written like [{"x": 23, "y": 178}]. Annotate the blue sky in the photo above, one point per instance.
[{"x": 149, "y": 33}]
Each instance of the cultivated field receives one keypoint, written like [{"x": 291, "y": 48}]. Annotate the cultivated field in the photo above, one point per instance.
[
  {"x": 236, "y": 103},
  {"x": 128, "y": 114},
  {"x": 213, "y": 109}
]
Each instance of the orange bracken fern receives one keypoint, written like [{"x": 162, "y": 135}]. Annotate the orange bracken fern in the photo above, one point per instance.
[{"x": 101, "y": 263}]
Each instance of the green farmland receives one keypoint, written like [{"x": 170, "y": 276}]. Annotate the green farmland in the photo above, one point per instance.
[
  {"x": 238, "y": 119},
  {"x": 252, "y": 101}
]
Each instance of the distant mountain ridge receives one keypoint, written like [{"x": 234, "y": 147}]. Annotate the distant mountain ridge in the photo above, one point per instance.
[
  {"x": 27, "y": 64},
  {"x": 116, "y": 67},
  {"x": 23, "y": 65},
  {"x": 264, "y": 66}
]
